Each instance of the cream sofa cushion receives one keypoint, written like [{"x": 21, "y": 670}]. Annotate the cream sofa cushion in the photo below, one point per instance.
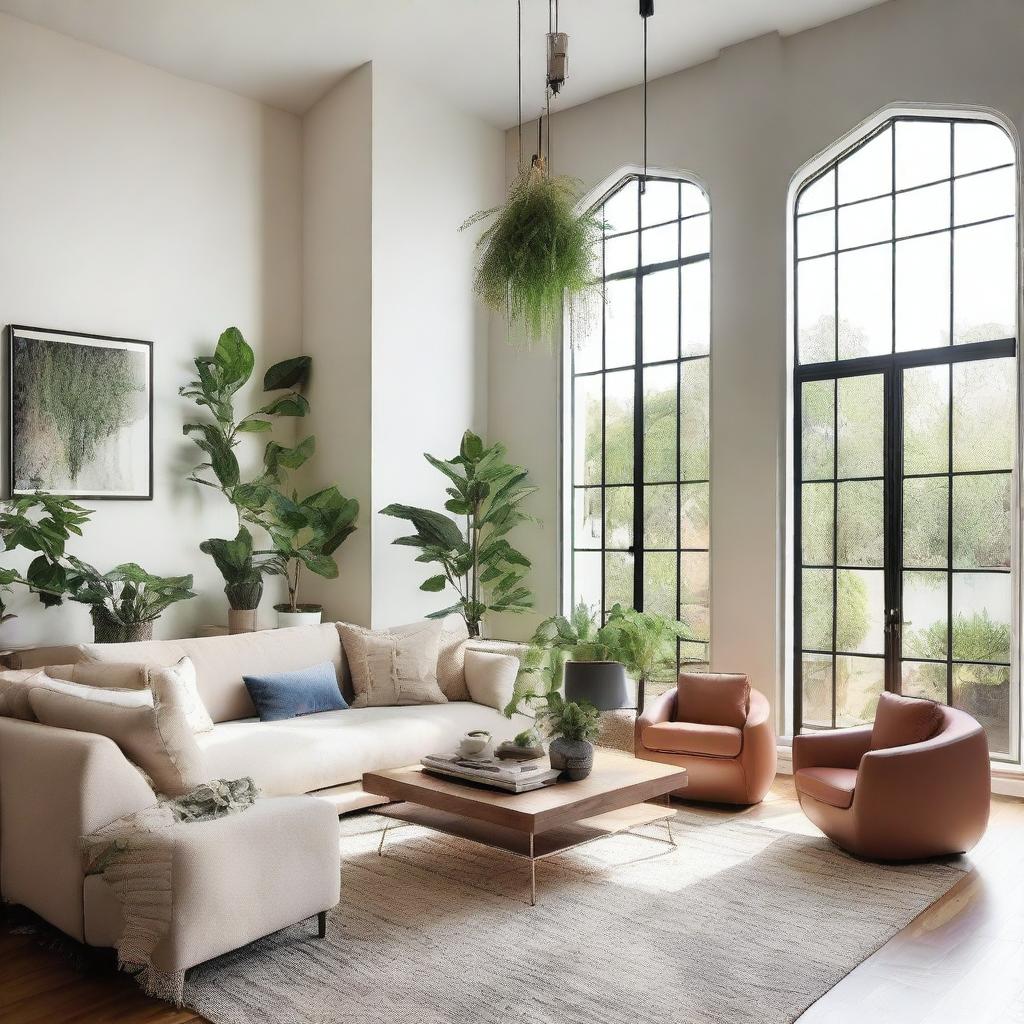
[
  {"x": 176, "y": 684},
  {"x": 221, "y": 661},
  {"x": 393, "y": 666},
  {"x": 157, "y": 738},
  {"x": 16, "y": 684},
  {"x": 491, "y": 678},
  {"x": 300, "y": 755}
]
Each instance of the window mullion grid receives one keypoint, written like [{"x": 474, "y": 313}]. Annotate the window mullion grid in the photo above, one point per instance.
[
  {"x": 949, "y": 424},
  {"x": 835, "y": 464},
  {"x": 638, "y": 414},
  {"x": 679, "y": 423},
  {"x": 604, "y": 428}
]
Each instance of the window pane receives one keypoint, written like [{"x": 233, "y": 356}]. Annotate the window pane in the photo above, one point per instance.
[
  {"x": 816, "y": 309},
  {"x": 925, "y": 616},
  {"x": 659, "y": 245},
  {"x": 694, "y": 656},
  {"x": 923, "y": 679},
  {"x": 926, "y": 420},
  {"x": 816, "y": 609},
  {"x": 981, "y": 521},
  {"x": 697, "y": 236},
  {"x": 693, "y": 200},
  {"x": 660, "y": 582},
  {"x": 621, "y": 209},
  {"x": 860, "y": 611},
  {"x": 618, "y": 579},
  {"x": 818, "y": 195},
  {"x": 660, "y": 423},
  {"x": 618, "y": 427},
  {"x": 693, "y": 516},
  {"x": 618, "y": 505},
  {"x": 925, "y": 522},
  {"x": 922, "y": 292},
  {"x": 983, "y": 691},
  {"x": 982, "y": 196},
  {"x": 984, "y": 415},
  {"x": 817, "y": 429},
  {"x": 661, "y": 315},
  {"x": 815, "y": 234},
  {"x": 659, "y": 202},
  {"x": 981, "y": 616},
  {"x": 868, "y": 170},
  {"x": 587, "y": 430},
  {"x": 586, "y": 579},
  {"x": 924, "y": 209},
  {"x": 696, "y": 308},
  {"x": 859, "y": 528},
  {"x": 694, "y": 420},
  {"x": 984, "y": 282},
  {"x": 922, "y": 152},
  {"x": 586, "y": 517},
  {"x": 865, "y": 302},
  {"x": 859, "y": 684},
  {"x": 979, "y": 145},
  {"x": 817, "y": 514},
  {"x": 620, "y": 322},
  {"x": 861, "y": 423},
  {"x": 586, "y": 343},
  {"x": 816, "y": 676},
  {"x": 660, "y": 518},
  {"x": 865, "y": 223},
  {"x": 620, "y": 253},
  {"x": 694, "y": 594}
]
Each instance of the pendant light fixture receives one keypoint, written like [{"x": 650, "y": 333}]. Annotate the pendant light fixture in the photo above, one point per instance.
[{"x": 646, "y": 12}]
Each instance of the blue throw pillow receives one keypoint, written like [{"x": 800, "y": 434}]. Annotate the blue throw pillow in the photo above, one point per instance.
[{"x": 305, "y": 691}]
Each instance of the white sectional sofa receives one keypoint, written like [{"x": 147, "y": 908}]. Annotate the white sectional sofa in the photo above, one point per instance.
[{"x": 57, "y": 785}]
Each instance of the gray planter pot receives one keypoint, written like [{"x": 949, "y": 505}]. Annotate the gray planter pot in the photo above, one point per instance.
[
  {"x": 573, "y": 758},
  {"x": 602, "y": 683}
]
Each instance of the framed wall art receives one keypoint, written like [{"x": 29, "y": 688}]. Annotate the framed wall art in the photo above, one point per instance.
[{"x": 81, "y": 414}]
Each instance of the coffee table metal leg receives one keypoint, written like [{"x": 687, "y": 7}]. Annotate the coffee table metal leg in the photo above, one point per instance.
[{"x": 533, "y": 875}]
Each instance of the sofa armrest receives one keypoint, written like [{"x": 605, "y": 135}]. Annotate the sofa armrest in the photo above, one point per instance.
[
  {"x": 57, "y": 785},
  {"x": 661, "y": 709},
  {"x": 759, "y": 754},
  {"x": 838, "y": 748}
]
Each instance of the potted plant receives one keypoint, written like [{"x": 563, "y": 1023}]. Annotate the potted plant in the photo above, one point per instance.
[
  {"x": 572, "y": 724},
  {"x": 477, "y": 562},
  {"x": 305, "y": 533},
  {"x": 218, "y": 379}
]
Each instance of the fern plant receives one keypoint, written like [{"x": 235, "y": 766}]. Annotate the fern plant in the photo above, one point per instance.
[
  {"x": 537, "y": 253},
  {"x": 572, "y": 720}
]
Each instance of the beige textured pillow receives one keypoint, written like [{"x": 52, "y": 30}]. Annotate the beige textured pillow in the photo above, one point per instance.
[
  {"x": 390, "y": 667},
  {"x": 15, "y": 686},
  {"x": 177, "y": 685},
  {"x": 158, "y": 739},
  {"x": 491, "y": 678}
]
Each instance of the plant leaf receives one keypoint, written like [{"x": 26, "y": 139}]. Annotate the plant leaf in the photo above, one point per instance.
[{"x": 289, "y": 373}]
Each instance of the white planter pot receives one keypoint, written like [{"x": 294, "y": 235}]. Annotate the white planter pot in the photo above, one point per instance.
[{"x": 307, "y": 618}]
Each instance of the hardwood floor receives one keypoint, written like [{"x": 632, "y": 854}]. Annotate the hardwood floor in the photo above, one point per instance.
[{"x": 960, "y": 961}]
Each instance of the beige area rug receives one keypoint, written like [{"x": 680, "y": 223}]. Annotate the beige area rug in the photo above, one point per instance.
[{"x": 740, "y": 923}]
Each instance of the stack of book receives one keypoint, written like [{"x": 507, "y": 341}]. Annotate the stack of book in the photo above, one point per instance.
[{"x": 508, "y": 776}]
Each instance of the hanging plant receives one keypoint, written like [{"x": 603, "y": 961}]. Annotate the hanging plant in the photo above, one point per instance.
[{"x": 538, "y": 253}]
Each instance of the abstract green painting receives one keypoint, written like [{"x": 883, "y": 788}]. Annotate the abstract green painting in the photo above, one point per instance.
[{"x": 81, "y": 414}]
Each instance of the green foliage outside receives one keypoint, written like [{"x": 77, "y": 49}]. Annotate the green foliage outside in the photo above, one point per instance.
[{"x": 476, "y": 561}]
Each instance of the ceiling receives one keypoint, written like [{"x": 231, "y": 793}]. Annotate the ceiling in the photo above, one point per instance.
[{"x": 288, "y": 53}]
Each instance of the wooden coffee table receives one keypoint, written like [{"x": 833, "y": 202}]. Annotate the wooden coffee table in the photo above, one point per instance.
[{"x": 539, "y": 824}]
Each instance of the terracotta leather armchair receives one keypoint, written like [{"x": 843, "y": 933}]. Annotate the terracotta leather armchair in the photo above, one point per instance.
[
  {"x": 717, "y": 728},
  {"x": 899, "y": 802}
]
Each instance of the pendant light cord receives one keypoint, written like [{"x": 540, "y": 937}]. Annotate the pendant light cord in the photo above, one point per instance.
[{"x": 519, "y": 70}]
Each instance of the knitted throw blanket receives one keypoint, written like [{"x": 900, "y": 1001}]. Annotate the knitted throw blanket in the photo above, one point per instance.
[{"x": 135, "y": 856}]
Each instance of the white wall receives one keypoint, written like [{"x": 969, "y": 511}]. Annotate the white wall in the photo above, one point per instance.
[
  {"x": 744, "y": 124},
  {"x": 399, "y": 345},
  {"x": 137, "y": 204},
  {"x": 433, "y": 166}
]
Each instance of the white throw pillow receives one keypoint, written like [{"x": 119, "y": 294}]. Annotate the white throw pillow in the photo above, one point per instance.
[
  {"x": 491, "y": 678},
  {"x": 16, "y": 684},
  {"x": 390, "y": 667},
  {"x": 177, "y": 683}
]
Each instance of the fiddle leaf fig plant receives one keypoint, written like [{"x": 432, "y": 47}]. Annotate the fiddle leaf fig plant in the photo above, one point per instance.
[
  {"x": 476, "y": 560},
  {"x": 218, "y": 379}
]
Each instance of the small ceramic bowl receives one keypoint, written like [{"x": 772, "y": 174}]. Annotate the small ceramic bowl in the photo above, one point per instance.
[{"x": 474, "y": 743}]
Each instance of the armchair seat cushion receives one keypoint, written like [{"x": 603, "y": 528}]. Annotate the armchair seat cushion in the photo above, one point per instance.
[
  {"x": 832, "y": 786},
  {"x": 694, "y": 738}
]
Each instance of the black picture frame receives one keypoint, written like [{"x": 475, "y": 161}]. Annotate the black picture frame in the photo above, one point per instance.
[{"x": 15, "y": 333}]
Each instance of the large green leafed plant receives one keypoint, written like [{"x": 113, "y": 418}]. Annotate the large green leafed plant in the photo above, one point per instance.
[
  {"x": 476, "y": 561},
  {"x": 538, "y": 253}
]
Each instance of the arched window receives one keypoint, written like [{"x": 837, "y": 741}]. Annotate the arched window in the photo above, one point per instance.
[
  {"x": 905, "y": 410},
  {"x": 636, "y": 398}
]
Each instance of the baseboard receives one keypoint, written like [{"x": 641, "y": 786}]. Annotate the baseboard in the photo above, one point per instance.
[{"x": 785, "y": 765}]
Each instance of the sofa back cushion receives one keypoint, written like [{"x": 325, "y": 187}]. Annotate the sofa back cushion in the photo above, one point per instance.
[
  {"x": 713, "y": 698},
  {"x": 15, "y": 685},
  {"x": 221, "y": 661},
  {"x": 900, "y": 721}
]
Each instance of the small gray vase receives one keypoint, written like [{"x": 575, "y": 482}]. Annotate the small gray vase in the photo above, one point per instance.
[{"x": 573, "y": 758}]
